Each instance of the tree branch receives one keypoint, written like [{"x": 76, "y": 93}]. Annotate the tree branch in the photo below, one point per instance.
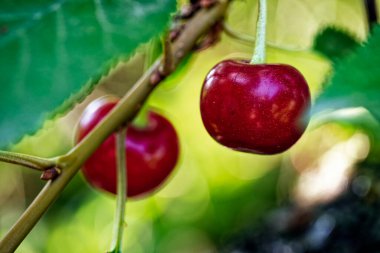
[
  {"x": 29, "y": 161},
  {"x": 122, "y": 113}
]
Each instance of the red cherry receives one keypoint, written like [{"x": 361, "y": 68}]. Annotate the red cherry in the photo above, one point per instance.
[
  {"x": 151, "y": 153},
  {"x": 255, "y": 108}
]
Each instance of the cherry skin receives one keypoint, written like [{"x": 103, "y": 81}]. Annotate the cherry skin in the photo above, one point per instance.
[
  {"x": 151, "y": 153},
  {"x": 256, "y": 108}
]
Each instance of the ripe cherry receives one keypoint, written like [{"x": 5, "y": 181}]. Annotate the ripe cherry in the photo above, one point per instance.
[
  {"x": 257, "y": 108},
  {"x": 151, "y": 153}
]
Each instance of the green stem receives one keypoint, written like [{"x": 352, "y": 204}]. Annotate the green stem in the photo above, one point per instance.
[
  {"x": 122, "y": 113},
  {"x": 117, "y": 242},
  {"x": 29, "y": 161},
  {"x": 36, "y": 209},
  {"x": 261, "y": 26}
]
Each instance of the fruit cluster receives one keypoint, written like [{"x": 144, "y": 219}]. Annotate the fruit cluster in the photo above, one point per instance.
[{"x": 257, "y": 108}]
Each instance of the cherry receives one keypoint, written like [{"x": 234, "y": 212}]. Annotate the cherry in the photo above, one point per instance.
[
  {"x": 257, "y": 108},
  {"x": 151, "y": 153}
]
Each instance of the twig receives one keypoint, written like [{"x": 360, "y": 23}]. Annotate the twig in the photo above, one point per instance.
[
  {"x": 29, "y": 161},
  {"x": 123, "y": 112}
]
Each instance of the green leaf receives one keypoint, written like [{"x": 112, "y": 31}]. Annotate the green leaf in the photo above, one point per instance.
[
  {"x": 55, "y": 50},
  {"x": 334, "y": 43},
  {"x": 356, "y": 80}
]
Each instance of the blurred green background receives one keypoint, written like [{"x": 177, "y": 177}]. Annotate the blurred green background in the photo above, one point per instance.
[{"x": 215, "y": 192}]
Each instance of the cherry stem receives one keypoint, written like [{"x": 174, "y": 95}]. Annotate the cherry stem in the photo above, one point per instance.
[
  {"x": 119, "y": 224},
  {"x": 33, "y": 162},
  {"x": 259, "y": 51}
]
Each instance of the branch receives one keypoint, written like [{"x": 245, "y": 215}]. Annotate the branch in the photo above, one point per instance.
[
  {"x": 122, "y": 113},
  {"x": 29, "y": 161}
]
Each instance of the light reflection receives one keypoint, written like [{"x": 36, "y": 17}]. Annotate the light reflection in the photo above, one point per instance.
[
  {"x": 208, "y": 83},
  {"x": 329, "y": 175},
  {"x": 265, "y": 90},
  {"x": 320, "y": 231}
]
